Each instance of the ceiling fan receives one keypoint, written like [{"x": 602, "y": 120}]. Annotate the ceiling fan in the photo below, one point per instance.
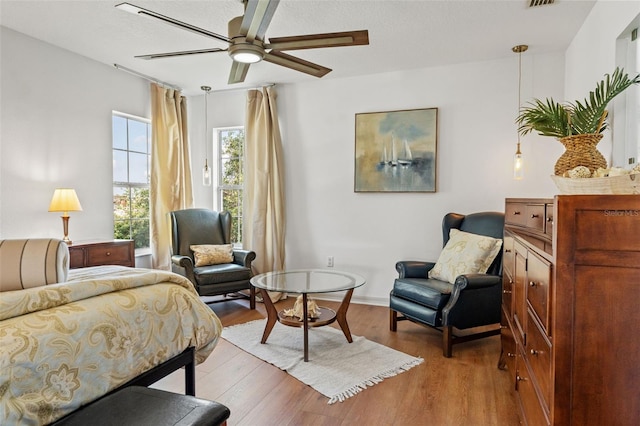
[{"x": 247, "y": 43}]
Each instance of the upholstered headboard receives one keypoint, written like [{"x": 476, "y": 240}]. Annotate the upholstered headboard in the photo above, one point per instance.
[{"x": 26, "y": 263}]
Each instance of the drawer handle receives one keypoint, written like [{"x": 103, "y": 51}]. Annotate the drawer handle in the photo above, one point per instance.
[
  {"x": 532, "y": 284},
  {"x": 507, "y": 250},
  {"x": 511, "y": 355},
  {"x": 504, "y": 327},
  {"x": 549, "y": 219},
  {"x": 506, "y": 291},
  {"x": 534, "y": 352},
  {"x": 533, "y": 216},
  {"x": 108, "y": 253},
  {"x": 519, "y": 378},
  {"x": 516, "y": 213}
]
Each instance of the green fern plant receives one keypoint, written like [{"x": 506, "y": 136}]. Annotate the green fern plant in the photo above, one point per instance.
[{"x": 551, "y": 118}]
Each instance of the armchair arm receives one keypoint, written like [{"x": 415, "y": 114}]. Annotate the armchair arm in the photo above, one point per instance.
[
  {"x": 244, "y": 257},
  {"x": 481, "y": 292},
  {"x": 413, "y": 269},
  {"x": 472, "y": 281},
  {"x": 183, "y": 265}
]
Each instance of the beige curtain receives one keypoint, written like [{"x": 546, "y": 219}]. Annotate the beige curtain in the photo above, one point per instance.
[
  {"x": 264, "y": 214},
  {"x": 170, "y": 169}
]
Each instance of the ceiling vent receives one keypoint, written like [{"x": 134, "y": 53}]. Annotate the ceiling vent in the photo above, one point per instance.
[{"x": 534, "y": 3}]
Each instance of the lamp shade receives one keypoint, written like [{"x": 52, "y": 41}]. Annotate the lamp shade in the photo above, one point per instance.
[{"x": 65, "y": 200}]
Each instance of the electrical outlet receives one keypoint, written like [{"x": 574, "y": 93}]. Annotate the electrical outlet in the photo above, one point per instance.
[{"x": 330, "y": 261}]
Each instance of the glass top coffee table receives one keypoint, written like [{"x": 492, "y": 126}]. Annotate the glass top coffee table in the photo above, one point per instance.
[{"x": 305, "y": 282}]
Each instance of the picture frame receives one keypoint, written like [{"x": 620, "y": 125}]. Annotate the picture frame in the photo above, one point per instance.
[{"x": 396, "y": 151}]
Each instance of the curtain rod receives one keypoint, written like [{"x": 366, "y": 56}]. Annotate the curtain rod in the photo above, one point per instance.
[
  {"x": 260, "y": 86},
  {"x": 146, "y": 77}
]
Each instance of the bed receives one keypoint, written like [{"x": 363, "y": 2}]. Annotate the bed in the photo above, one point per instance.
[{"x": 66, "y": 344}]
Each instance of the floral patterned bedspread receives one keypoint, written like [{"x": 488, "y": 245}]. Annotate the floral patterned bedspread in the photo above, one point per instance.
[{"x": 65, "y": 345}]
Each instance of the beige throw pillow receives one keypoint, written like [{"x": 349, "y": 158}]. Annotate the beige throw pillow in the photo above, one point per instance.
[
  {"x": 465, "y": 253},
  {"x": 212, "y": 254}
]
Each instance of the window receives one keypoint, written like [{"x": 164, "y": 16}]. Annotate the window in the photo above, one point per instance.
[
  {"x": 230, "y": 142},
  {"x": 131, "y": 173}
]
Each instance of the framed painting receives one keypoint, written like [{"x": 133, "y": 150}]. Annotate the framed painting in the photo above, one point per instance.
[{"x": 396, "y": 151}]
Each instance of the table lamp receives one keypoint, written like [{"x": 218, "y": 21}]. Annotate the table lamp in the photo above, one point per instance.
[{"x": 65, "y": 200}]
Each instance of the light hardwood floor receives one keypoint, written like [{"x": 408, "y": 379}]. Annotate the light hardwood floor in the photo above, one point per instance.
[{"x": 467, "y": 389}]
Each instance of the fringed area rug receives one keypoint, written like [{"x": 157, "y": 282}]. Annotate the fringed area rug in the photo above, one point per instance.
[{"x": 336, "y": 368}]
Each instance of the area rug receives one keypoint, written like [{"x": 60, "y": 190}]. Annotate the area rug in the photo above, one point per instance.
[{"x": 337, "y": 369}]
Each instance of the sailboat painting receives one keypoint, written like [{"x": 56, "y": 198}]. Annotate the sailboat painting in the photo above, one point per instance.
[{"x": 395, "y": 151}]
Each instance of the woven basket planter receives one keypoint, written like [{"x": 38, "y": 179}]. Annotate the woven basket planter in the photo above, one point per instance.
[
  {"x": 580, "y": 150},
  {"x": 625, "y": 184}
]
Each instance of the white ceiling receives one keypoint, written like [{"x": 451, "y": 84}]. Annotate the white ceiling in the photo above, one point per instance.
[{"x": 403, "y": 34}]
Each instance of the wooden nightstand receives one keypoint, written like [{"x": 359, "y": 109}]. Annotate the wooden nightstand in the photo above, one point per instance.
[{"x": 103, "y": 252}]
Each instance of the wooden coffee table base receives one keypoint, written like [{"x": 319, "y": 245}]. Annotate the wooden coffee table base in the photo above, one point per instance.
[{"x": 327, "y": 316}]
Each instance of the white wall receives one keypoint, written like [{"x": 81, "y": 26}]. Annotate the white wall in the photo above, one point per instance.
[
  {"x": 56, "y": 132},
  {"x": 368, "y": 232},
  {"x": 592, "y": 54}
]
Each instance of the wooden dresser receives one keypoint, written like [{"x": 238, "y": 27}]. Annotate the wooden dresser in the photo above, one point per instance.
[
  {"x": 104, "y": 252},
  {"x": 571, "y": 314}
]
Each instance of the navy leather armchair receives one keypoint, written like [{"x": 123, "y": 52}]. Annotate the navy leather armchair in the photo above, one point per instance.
[
  {"x": 208, "y": 227},
  {"x": 472, "y": 301}
]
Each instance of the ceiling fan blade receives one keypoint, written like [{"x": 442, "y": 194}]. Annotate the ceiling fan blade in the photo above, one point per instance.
[
  {"x": 238, "y": 72},
  {"x": 128, "y": 7},
  {"x": 297, "y": 64},
  {"x": 181, "y": 53},
  {"x": 257, "y": 17},
  {"x": 313, "y": 41}
]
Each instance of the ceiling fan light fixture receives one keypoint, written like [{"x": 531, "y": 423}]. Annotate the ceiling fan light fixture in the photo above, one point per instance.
[{"x": 246, "y": 53}]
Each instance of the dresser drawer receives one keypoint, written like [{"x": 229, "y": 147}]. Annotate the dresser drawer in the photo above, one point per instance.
[
  {"x": 507, "y": 293},
  {"x": 538, "y": 283},
  {"x": 533, "y": 412},
  {"x": 515, "y": 214},
  {"x": 548, "y": 227},
  {"x": 535, "y": 217},
  {"x": 111, "y": 254},
  {"x": 76, "y": 257},
  {"x": 538, "y": 353},
  {"x": 508, "y": 356}
]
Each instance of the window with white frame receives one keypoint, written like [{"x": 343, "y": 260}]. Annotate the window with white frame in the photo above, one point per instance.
[
  {"x": 131, "y": 173},
  {"x": 230, "y": 182}
]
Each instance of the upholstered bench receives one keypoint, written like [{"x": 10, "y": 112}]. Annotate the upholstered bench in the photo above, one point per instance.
[{"x": 140, "y": 406}]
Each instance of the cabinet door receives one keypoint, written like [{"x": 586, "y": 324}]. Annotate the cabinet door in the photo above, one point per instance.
[
  {"x": 508, "y": 254},
  {"x": 520, "y": 292}
]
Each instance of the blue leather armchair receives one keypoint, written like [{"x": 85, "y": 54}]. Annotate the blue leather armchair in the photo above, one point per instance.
[
  {"x": 203, "y": 226},
  {"x": 473, "y": 301}
]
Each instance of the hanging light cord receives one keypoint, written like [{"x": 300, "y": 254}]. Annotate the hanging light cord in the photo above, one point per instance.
[
  {"x": 519, "y": 49},
  {"x": 206, "y": 89},
  {"x": 519, "y": 88}
]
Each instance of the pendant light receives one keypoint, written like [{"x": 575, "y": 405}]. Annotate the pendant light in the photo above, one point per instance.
[
  {"x": 206, "y": 170},
  {"x": 518, "y": 162}
]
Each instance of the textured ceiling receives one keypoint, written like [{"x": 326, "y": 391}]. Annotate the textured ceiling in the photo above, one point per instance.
[{"x": 402, "y": 34}]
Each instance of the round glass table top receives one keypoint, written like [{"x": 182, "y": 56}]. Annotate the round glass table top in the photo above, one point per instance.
[{"x": 307, "y": 281}]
